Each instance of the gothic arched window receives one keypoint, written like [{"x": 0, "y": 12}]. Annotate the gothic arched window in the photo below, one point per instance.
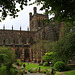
[
  {"x": 16, "y": 40},
  {"x": 31, "y": 40},
  {"x": 24, "y": 40},
  {"x": 7, "y": 40}
]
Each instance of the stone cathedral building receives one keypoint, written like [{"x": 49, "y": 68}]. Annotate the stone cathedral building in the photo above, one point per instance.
[{"x": 20, "y": 41}]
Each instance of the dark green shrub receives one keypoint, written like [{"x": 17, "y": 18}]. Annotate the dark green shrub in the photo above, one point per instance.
[
  {"x": 59, "y": 65},
  {"x": 46, "y": 64},
  {"x": 12, "y": 71},
  {"x": 19, "y": 61},
  {"x": 3, "y": 70}
]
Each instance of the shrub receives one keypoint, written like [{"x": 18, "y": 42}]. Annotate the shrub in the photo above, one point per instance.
[
  {"x": 12, "y": 71},
  {"x": 3, "y": 70},
  {"x": 46, "y": 64},
  {"x": 19, "y": 61},
  {"x": 59, "y": 65}
]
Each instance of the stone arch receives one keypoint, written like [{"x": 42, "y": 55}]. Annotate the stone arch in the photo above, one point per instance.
[
  {"x": 26, "y": 54},
  {"x": 31, "y": 41},
  {"x": 18, "y": 52}
]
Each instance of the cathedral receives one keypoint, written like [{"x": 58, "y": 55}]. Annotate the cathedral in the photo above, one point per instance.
[{"x": 21, "y": 41}]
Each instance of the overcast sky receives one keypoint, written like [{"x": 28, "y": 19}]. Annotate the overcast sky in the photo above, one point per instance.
[{"x": 22, "y": 20}]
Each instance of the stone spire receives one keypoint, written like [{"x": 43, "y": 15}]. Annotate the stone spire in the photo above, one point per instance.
[
  {"x": 20, "y": 28},
  {"x": 3, "y": 27},
  {"x": 12, "y": 27},
  {"x": 27, "y": 28},
  {"x": 30, "y": 16},
  {"x": 35, "y": 10}
]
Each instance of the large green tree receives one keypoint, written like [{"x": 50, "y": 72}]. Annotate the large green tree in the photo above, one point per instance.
[
  {"x": 8, "y": 7},
  {"x": 64, "y": 10},
  {"x": 7, "y": 56},
  {"x": 65, "y": 48},
  {"x": 48, "y": 56}
]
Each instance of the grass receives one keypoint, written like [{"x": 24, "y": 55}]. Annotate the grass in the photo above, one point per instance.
[
  {"x": 31, "y": 65},
  {"x": 70, "y": 73}
]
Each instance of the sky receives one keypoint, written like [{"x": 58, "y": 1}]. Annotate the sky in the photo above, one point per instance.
[{"x": 22, "y": 20}]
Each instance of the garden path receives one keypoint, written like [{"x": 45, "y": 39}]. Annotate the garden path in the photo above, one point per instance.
[{"x": 62, "y": 73}]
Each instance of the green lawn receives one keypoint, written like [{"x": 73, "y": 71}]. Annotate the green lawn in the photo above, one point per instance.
[
  {"x": 31, "y": 65},
  {"x": 70, "y": 73}
]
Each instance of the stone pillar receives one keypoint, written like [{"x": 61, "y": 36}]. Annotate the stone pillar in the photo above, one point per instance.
[
  {"x": 22, "y": 56},
  {"x": 41, "y": 55},
  {"x": 37, "y": 57},
  {"x": 30, "y": 54}
]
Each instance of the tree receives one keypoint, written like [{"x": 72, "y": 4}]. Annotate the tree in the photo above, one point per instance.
[
  {"x": 48, "y": 57},
  {"x": 7, "y": 56},
  {"x": 8, "y": 7},
  {"x": 63, "y": 9},
  {"x": 65, "y": 48}
]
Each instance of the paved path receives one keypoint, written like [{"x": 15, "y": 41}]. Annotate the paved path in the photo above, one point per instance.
[{"x": 62, "y": 73}]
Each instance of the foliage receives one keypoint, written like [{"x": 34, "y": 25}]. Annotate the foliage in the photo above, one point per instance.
[
  {"x": 46, "y": 64},
  {"x": 65, "y": 48},
  {"x": 19, "y": 61},
  {"x": 3, "y": 70},
  {"x": 12, "y": 71},
  {"x": 63, "y": 9},
  {"x": 7, "y": 56},
  {"x": 59, "y": 66},
  {"x": 48, "y": 56},
  {"x": 8, "y": 7}
]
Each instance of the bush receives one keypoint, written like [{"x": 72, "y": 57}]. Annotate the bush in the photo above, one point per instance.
[
  {"x": 19, "y": 61},
  {"x": 59, "y": 65},
  {"x": 46, "y": 64},
  {"x": 12, "y": 71},
  {"x": 3, "y": 70}
]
